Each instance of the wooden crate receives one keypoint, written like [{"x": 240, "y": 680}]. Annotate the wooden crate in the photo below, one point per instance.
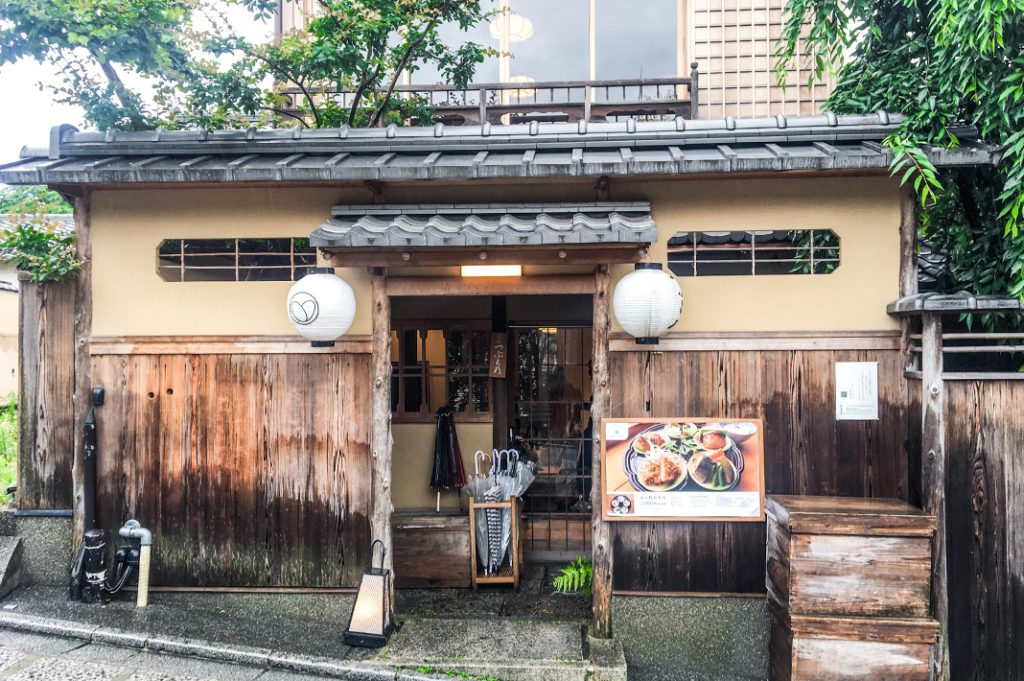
[
  {"x": 816, "y": 648},
  {"x": 848, "y": 557},
  {"x": 431, "y": 550}
]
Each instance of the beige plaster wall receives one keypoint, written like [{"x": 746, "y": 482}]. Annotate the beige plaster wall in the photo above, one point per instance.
[
  {"x": 130, "y": 299},
  {"x": 412, "y": 460},
  {"x": 863, "y": 211}
]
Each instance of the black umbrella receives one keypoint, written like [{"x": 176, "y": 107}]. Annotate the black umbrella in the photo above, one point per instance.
[{"x": 448, "y": 472}]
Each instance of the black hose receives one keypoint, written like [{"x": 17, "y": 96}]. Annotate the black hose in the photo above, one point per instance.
[{"x": 124, "y": 573}]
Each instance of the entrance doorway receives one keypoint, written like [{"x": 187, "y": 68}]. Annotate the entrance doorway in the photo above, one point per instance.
[
  {"x": 549, "y": 403},
  {"x": 440, "y": 355}
]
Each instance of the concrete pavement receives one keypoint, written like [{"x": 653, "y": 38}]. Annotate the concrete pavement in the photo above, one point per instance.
[{"x": 36, "y": 657}]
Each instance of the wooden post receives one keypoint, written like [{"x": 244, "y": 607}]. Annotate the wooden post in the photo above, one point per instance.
[
  {"x": 933, "y": 480},
  {"x": 909, "y": 484},
  {"x": 600, "y": 408},
  {"x": 83, "y": 363},
  {"x": 46, "y": 362},
  {"x": 694, "y": 91},
  {"x": 380, "y": 436},
  {"x": 908, "y": 241}
]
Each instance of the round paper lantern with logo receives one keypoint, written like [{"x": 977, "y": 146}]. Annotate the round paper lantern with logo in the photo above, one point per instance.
[
  {"x": 321, "y": 306},
  {"x": 647, "y": 302}
]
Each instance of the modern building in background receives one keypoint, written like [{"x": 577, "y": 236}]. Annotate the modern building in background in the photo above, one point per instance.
[{"x": 730, "y": 41}]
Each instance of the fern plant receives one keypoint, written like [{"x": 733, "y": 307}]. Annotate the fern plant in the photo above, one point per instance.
[{"x": 576, "y": 577}]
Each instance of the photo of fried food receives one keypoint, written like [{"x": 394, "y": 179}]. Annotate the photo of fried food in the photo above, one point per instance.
[{"x": 661, "y": 470}]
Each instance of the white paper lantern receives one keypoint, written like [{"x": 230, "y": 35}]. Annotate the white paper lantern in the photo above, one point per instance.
[
  {"x": 321, "y": 306},
  {"x": 647, "y": 302}
]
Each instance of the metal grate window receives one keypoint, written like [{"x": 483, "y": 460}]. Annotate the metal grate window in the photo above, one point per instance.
[
  {"x": 234, "y": 259},
  {"x": 754, "y": 252}
]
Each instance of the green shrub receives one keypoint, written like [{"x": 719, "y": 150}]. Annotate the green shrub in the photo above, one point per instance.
[
  {"x": 577, "y": 576},
  {"x": 8, "y": 442},
  {"x": 36, "y": 243}
]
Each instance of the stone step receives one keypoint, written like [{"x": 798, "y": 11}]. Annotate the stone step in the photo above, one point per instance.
[
  {"x": 10, "y": 564},
  {"x": 504, "y": 648},
  {"x": 8, "y": 523}
]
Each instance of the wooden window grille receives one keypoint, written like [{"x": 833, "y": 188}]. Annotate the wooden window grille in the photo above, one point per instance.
[
  {"x": 434, "y": 364},
  {"x": 753, "y": 252},
  {"x": 272, "y": 259}
]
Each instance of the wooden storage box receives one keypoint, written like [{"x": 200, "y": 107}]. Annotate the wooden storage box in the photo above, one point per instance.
[
  {"x": 814, "y": 648},
  {"x": 431, "y": 550},
  {"x": 847, "y": 556}
]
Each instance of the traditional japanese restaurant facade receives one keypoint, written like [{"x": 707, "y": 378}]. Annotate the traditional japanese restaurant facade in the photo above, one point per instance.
[{"x": 258, "y": 460}]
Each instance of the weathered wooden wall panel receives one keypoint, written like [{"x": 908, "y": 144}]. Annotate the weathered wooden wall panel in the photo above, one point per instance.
[
  {"x": 807, "y": 451},
  {"x": 251, "y": 470},
  {"x": 985, "y": 528},
  {"x": 46, "y": 375}
]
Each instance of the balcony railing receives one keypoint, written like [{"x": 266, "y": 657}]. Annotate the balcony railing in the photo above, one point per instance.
[{"x": 549, "y": 101}]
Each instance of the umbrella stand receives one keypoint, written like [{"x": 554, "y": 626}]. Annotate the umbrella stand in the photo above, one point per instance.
[{"x": 505, "y": 574}]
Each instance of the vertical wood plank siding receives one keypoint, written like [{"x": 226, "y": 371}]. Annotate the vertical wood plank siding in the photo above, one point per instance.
[
  {"x": 251, "y": 470},
  {"x": 807, "y": 451},
  {"x": 985, "y": 525},
  {"x": 46, "y": 376}
]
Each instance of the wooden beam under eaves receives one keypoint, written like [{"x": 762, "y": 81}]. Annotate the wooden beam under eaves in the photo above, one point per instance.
[
  {"x": 560, "y": 284},
  {"x": 573, "y": 254}
]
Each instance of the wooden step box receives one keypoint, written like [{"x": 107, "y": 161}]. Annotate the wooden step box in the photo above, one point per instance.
[
  {"x": 816, "y": 648},
  {"x": 431, "y": 549},
  {"x": 849, "y": 557}
]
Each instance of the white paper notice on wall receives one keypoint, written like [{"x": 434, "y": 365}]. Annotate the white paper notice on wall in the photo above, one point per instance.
[{"x": 857, "y": 391}]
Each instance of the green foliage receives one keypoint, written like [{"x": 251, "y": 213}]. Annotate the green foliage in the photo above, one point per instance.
[
  {"x": 40, "y": 199},
  {"x": 87, "y": 40},
  {"x": 941, "y": 63},
  {"x": 37, "y": 244},
  {"x": 8, "y": 442},
  {"x": 213, "y": 78},
  {"x": 577, "y": 576},
  {"x": 364, "y": 46}
]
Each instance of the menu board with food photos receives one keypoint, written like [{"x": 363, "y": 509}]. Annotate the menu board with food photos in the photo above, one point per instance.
[{"x": 682, "y": 469}]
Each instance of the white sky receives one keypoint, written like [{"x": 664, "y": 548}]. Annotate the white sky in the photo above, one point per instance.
[{"x": 29, "y": 114}]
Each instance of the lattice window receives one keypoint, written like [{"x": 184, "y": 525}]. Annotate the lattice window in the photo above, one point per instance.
[
  {"x": 272, "y": 259},
  {"x": 755, "y": 252},
  {"x": 434, "y": 364}
]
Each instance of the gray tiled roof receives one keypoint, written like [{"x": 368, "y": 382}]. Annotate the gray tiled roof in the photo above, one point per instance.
[
  {"x": 961, "y": 301},
  {"x": 411, "y": 226},
  {"x": 680, "y": 146}
]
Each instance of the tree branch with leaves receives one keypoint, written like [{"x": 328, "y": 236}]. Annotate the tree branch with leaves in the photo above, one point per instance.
[{"x": 941, "y": 63}]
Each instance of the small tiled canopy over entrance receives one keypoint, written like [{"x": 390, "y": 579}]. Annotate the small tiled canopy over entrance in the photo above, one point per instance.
[{"x": 559, "y": 233}]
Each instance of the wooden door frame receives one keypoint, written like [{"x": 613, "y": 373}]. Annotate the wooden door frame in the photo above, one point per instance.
[{"x": 381, "y": 441}]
